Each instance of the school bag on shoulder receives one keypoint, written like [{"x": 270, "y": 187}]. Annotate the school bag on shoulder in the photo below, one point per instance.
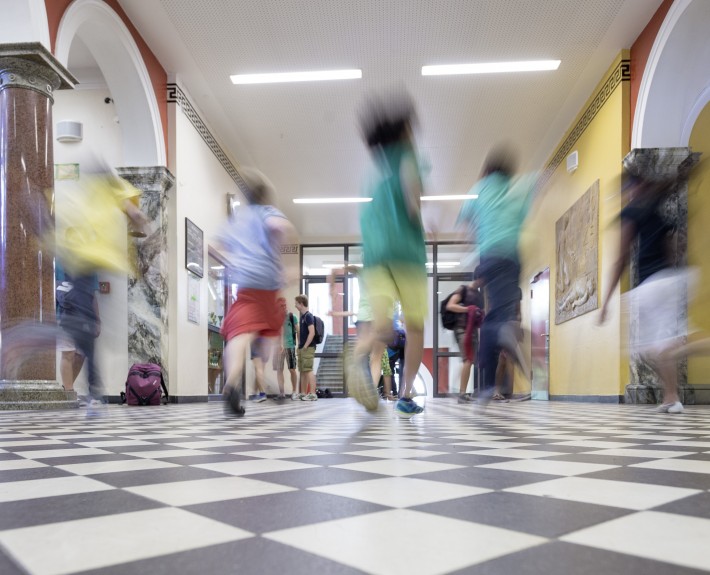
[
  {"x": 449, "y": 319},
  {"x": 145, "y": 385},
  {"x": 319, "y": 330}
]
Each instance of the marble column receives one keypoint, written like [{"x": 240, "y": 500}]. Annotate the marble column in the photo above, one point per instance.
[
  {"x": 29, "y": 75},
  {"x": 148, "y": 289},
  {"x": 661, "y": 163}
]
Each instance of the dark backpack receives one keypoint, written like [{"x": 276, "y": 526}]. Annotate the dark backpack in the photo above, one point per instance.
[
  {"x": 145, "y": 385},
  {"x": 319, "y": 330},
  {"x": 449, "y": 319},
  {"x": 65, "y": 295}
]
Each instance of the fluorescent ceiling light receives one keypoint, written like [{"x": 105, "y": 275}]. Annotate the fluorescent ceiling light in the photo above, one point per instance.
[
  {"x": 490, "y": 67},
  {"x": 450, "y": 197},
  {"x": 296, "y": 77},
  {"x": 443, "y": 264},
  {"x": 331, "y": 200}
]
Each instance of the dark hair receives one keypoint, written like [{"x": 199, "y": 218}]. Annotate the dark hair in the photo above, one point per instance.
[
  {"x": 501, "y": 160},
  {"x": 385, "y": 122},
  {"x": 258, "y": 187}
]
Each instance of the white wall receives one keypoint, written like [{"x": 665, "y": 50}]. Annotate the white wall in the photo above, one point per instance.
[
  {"x": 200, "y": 194},
  {"x": 103, "y": 139}
]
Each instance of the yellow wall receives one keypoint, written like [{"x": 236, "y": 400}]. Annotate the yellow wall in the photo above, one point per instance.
[
  {"x": 699, "y": 239},
  {"x": 585, "y": 358}
]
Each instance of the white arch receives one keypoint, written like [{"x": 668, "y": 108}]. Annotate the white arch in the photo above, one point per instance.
[
  {"x": 24, "y": 21},
  {"x": 118, "y": 56},
  {"x": 676, "y": 81}
]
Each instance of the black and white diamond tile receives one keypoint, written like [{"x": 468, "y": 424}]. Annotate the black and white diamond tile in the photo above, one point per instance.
[{"x": 531, "y": 488}]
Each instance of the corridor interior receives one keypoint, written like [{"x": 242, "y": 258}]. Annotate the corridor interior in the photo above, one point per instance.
[{"x": 530, "y": 488}]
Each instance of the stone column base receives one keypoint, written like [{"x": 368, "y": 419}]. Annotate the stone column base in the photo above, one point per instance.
[
  {"x": 25, "y": 395},
  {"x": 652, "y": 394}
]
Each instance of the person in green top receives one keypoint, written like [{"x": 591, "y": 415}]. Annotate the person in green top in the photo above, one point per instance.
[
  {"x": 286, "y": 353},
  {"x": 394, "y": 253},
  {"x": 494, "y": 220}
]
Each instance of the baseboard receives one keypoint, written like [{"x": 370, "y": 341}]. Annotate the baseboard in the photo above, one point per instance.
[
  {"x": 188, "y": 399},
  {"x": 589, "y": 398}
]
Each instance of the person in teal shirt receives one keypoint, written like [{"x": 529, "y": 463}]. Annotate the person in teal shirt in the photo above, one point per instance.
[
  {"x": 394, "y": 253},
  {"x": 494, "y": 221}
]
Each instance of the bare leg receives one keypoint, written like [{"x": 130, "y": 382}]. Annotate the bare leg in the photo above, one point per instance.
[
  {"x": 235, "y": 357},
  {"x": 66, "y": 369},
  {"x": 465, "y": 376},
  {"x": 294, "y": 381},
  {"x": 412, "y": 358},
  {"x": 667, "y": 369},
  {"x": 280, "y": 373},
  {"x": 258, "y": 374}
]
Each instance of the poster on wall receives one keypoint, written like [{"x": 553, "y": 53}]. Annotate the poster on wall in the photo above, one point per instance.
[
  {"x": 576, "y": 284},
  {"x": 193, "y": 298},
  {"x": 194, "y": 249}
]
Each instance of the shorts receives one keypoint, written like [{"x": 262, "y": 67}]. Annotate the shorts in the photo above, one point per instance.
[
  {"x": 460, "y": 334},
  {"x": 255, "y": 311},
  {"x": 403, "y": 282},
  {"x": 288, "y": 356},
  {"x": 65, "y": 342},
  {"x": 386, "y": 369},
  {"x": 305, "y": 359},
  {"x": 660, "y": 302}
]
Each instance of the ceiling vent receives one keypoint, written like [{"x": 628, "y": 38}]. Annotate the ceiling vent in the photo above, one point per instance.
[
  {"x": 572, "y": 162},
  {"x": 68, "y": 131}
]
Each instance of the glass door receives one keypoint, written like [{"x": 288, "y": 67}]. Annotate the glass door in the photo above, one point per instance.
[
  {"x": 447, "y": 356},
  {"x": 328, "y": 362}
]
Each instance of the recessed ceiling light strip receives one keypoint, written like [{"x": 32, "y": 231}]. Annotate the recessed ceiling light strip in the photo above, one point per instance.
[
  {"x": 491, "y": 67},
  {"x": 315, "y": 76}
]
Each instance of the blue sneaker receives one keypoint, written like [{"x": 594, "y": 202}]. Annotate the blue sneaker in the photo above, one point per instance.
[{"x": 406, "y": 407}]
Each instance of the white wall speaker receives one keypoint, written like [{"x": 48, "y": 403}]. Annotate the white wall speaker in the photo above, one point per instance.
[
  {"x": 572, "y": 162},
  {"x": 68, "y": 131}
]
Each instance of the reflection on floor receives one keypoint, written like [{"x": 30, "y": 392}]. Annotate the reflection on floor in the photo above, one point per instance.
[{"x": 323, "y": 487}]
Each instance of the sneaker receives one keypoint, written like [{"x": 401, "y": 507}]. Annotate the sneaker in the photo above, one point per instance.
[
  {"x": 405, "y": 407},
  {"x": 675, "y": 407},
  {"x": 260, "y": 398},
  {"x": 360, "y": 384},
  {"x": 310, "y": 397},
  {"x": 295, "y": 396},
  {"x": 465, "y": 398},
  {"x": 84, "y": 400},
  {"x": 232, "y": 403},
  {"x": 95, "y": 408},
  {"x": 279, "y": 398}
]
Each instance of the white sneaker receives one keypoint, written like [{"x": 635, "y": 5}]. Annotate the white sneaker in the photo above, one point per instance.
[
  {"x": 295, "y": 396},
  {"x": 675, "y": 407},
  {"x": 311, "y": 397}
]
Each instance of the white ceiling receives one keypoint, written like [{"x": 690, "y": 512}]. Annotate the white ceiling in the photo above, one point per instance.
[{"x": 305, "y": 136}]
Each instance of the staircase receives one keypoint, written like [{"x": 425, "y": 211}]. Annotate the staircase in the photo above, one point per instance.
[{"x": 330, "y": 369}]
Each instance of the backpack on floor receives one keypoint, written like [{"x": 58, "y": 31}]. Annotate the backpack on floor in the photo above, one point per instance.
[{"x": 145, "y": 385}]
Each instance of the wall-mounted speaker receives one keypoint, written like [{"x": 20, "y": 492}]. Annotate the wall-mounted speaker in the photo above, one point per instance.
[
  {"x": 572, "y": 162},
  {"x": 68, "y": 131}
]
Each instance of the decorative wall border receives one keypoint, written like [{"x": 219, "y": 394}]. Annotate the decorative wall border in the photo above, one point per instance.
[
  {"x": 177, "y": 96},
  {"x": 289, "y": 249},
  {"x": 622, "y": 73}
]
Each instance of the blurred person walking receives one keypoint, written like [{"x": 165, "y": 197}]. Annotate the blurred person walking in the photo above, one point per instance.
[
  {"x": 253, "y": 240},
  {"x": 660, "y": 295},
  {"x": 394, "y": 253},
  {"x": 494, "y": 221}
]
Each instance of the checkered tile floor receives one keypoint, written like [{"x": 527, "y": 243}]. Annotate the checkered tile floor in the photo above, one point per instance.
[{"x": 527, "y": 488}]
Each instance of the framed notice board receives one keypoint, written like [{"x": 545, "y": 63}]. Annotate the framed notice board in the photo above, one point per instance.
[{"x": 194, "y": 248}]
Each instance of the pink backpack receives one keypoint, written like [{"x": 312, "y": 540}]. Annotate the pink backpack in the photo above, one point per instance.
[{"x": 145, "y": 385}]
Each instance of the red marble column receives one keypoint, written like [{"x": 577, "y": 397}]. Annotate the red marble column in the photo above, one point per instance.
[{"x": 29, "y": 74}]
